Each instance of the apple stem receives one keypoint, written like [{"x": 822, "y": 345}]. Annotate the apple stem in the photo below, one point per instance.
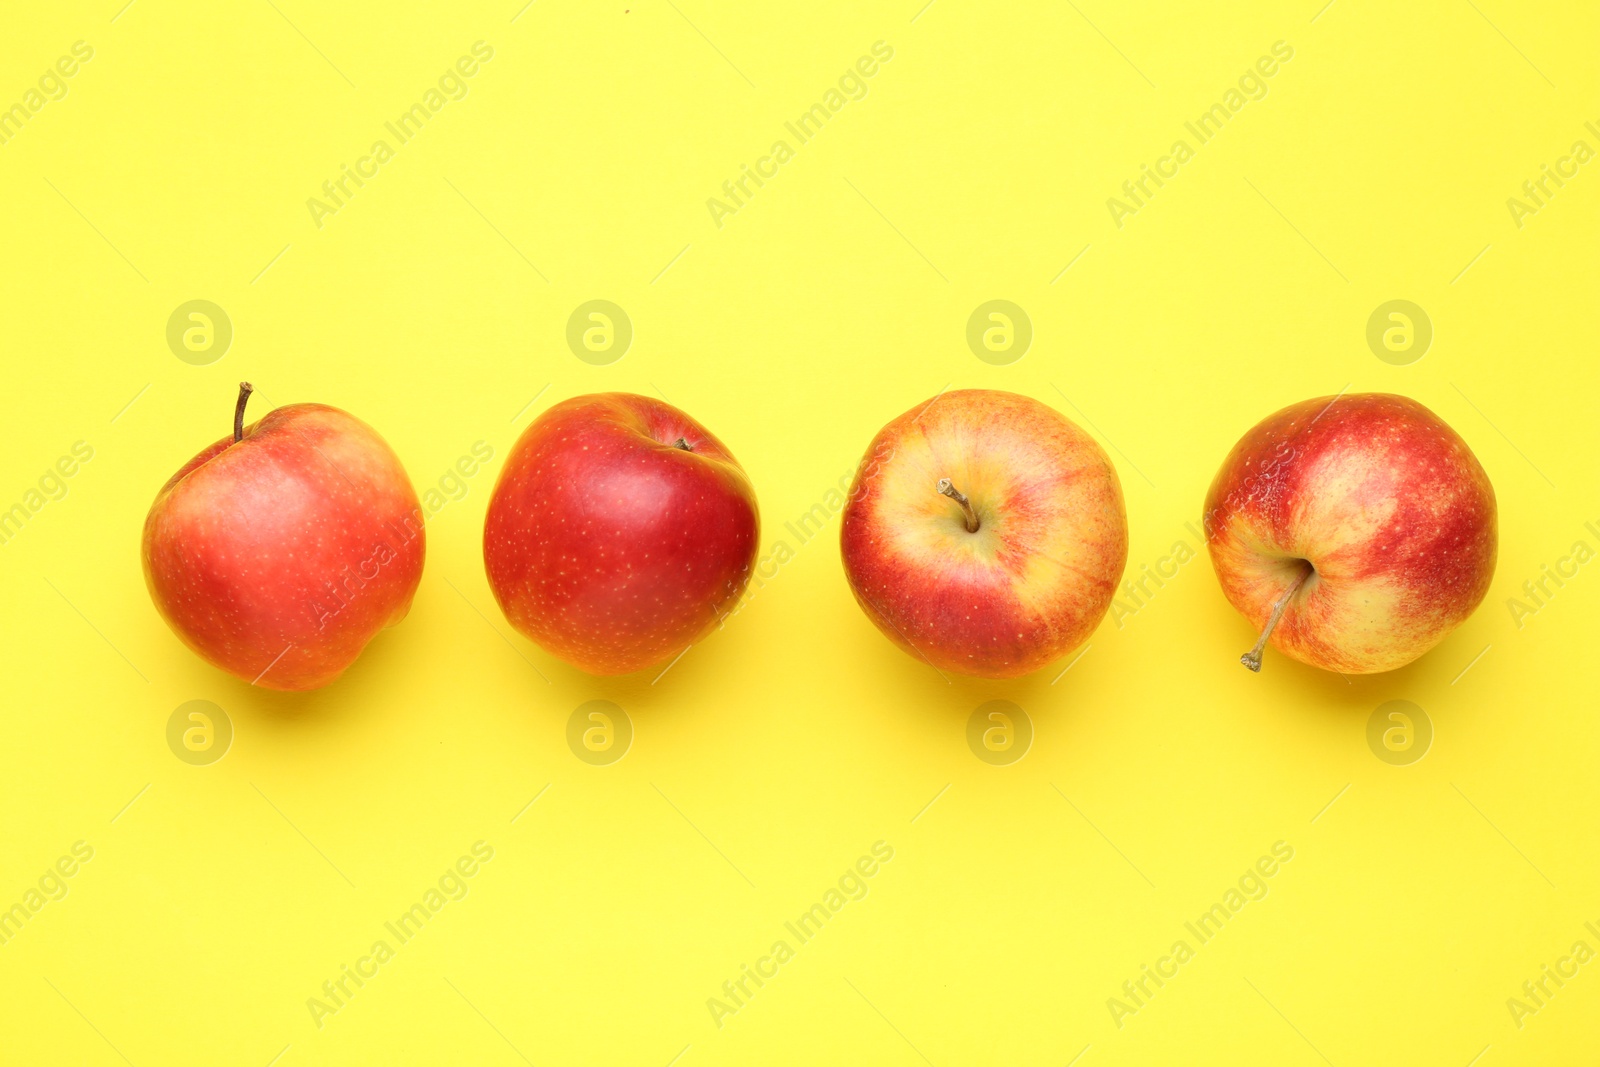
[
  {"x": 1252, "y": 659},
  {"x": 959, "y": 497},
  {"x": 682, "y": 443},
  {"x": 245, "y": 389}
]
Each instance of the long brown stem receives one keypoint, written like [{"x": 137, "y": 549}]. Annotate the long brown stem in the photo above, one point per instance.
[
  {"x": 1252, "y": 659},
  {"x": 245, "y": 389},
  {"x": 959, "y": 497}
]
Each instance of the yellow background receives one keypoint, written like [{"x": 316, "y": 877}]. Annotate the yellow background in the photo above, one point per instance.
[{"x": 434, "y": 306}]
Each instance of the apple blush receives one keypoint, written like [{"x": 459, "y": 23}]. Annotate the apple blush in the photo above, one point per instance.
[
  {"x": 1353, "y": 532},
  {"x": 278, "y": 552}
]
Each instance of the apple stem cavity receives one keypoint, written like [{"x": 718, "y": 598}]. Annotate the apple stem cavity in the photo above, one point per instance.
[
  {"x": 245, "y": 389},
  {"x": 1252, "y": 659},
  {"x": 959, "y": 497}
]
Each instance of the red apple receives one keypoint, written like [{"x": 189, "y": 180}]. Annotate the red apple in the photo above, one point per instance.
[
  {"x": 985, "y": 533},
  {"x": 619, "y": 533},
  {"x": 280, "y": 551},
  {"x": 1355, "y": 531}
]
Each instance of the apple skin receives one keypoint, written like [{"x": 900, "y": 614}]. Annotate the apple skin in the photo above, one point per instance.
[
  {"x": 279, "y": 556},
  {"x": 607, "y": 544},
  {"x": 1040, "y": 572},
  {"x": 1386, "y": 504}
]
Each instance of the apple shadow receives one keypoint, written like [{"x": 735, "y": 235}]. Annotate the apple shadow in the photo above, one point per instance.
[
  {"x": 642, "y": 692},
  {"x": 347, "y": 695},
  {"x": 942, "y": 700},
  {"x": 1342, "y": 695},
  {"x": 1028, "y": 691},
  {"x": 281, "y": 710}
]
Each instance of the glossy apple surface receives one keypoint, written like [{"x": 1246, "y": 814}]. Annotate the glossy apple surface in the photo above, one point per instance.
[
  {"x": 620, "y": 532},
  {"x": 1367, "y": 517},
  {"x": 278, "y": 556},
  {"x": 1038, "y": 573}
]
